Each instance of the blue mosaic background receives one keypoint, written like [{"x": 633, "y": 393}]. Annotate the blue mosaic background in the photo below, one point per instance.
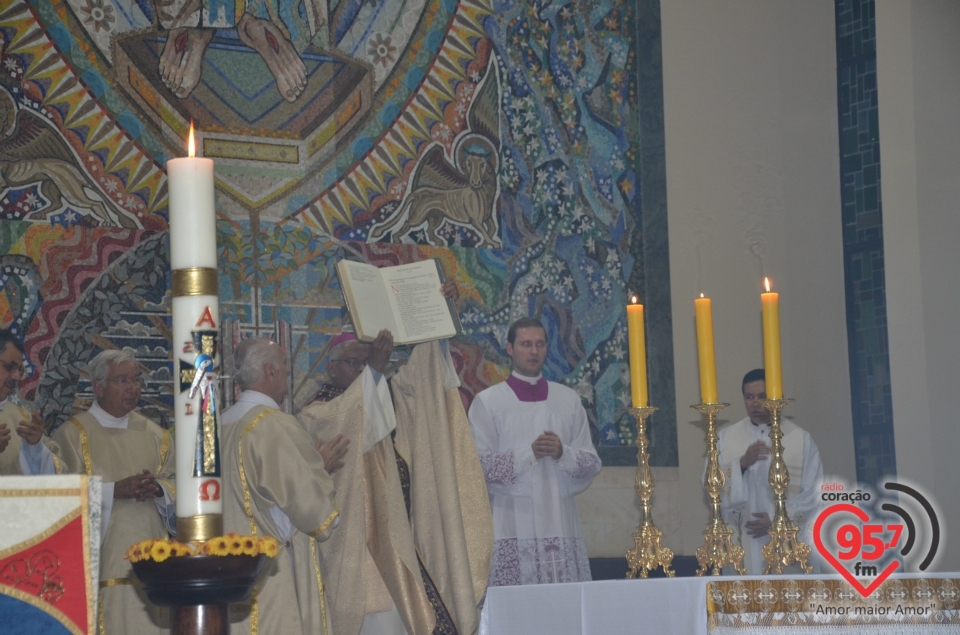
[{"x": 863, "y": 240}]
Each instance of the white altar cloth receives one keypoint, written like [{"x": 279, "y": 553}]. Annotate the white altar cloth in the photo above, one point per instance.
[
  {"x": 660, "y": 606},
  {"x": 665, "y": 606}
]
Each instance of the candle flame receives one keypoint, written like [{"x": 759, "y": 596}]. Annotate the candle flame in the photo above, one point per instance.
[
  {"x": 633, "y": 299},
  {"x": 191, "y": 144},
  {"x": 701, "y": 295},
  {"x": 766, "y": 283}
]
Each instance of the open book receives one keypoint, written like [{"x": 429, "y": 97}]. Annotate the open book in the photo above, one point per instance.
[{"x": 405, "y": 299}]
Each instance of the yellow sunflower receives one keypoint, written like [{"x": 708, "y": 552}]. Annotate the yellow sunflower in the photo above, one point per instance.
[
  {"x": 180, "y": 549},
  {"x": 160, "y": 550},
  {"x": 234, "y": 544},
  {"x": 145, "y": 547},
  {"x": 216, "y": 547},
  {"x": 133, "y": 553},
  {"x": 268, "y": 546},
  {"x": 249, "y": 545}
]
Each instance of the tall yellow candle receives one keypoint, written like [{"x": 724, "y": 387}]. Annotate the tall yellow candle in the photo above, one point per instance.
[
  {"x": 771, "y": 342},
  {"x": 638, "y": 354},
  {"x": 705, "y": 351}
]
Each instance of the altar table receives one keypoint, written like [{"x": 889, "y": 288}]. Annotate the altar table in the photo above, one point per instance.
[{"x": 813, "y": 604}]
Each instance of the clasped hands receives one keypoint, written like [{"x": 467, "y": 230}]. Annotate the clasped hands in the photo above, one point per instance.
[
  {"x": 30, "y": 431},
  {"x": 141, "y": 487},
  {"x": 547, "y": 444}
]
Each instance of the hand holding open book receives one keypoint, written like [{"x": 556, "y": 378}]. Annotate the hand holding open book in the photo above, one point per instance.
[{"x": 410, "y": 300}]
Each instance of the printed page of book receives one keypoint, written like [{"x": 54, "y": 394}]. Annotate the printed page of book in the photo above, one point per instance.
[
  {"x": 367, "y": 299},
  {"x": 422, "y": 313}
]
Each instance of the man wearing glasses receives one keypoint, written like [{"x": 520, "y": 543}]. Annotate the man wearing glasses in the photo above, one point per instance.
[
  {"x": 21, "y": 450},
  {"x": 135, "y": 458}
]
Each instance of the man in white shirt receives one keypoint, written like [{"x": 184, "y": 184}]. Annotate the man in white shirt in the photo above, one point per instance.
[
  {"x": 135, "y": 458},
  {"x": 536, "y": 452},
  {"x": 275, "y": 485},
  {"x": 747, "y": 499},
  {"x": 21, "y": 449}
]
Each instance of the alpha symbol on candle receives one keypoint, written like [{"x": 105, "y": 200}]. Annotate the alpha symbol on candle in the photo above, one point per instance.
[{"x": 207, "y": 318}]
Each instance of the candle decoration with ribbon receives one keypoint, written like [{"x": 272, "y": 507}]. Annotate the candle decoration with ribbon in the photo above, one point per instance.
[{"x": 196, "y": 322}]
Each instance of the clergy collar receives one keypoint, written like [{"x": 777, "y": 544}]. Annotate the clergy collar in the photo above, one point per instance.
[
  {"x": 528, "y": 389},
  {"x": 258, "y": 398},
  {"x": 529, "y": 380},
  {"x": 107, "y": 420}
]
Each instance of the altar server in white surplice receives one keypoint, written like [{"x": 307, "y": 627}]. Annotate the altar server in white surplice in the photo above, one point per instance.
[
  {"x": 535, "y": 448},
  {"x": 747, "y": 499},
  {"x": 135, "y": 458},
  {"x": 23, "y": 447}
]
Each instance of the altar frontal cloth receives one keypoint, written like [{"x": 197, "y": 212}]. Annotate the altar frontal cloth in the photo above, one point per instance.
[
  {"x": 803, "y": 606},
  {"x": 49, "y": 550}
]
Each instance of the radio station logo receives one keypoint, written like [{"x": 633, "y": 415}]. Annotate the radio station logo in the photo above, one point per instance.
[{"x": 866, "y": 538}]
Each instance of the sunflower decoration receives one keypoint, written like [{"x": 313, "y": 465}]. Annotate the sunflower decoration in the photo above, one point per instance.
[
  {"x": 217, "y": 547},
  {"x": 133, "y": 553},
  {"x": 249, "y": 545},
  {"x": 160, "y": 551},
  {"x": 268, "y": 546},
  {"x": 232, "y": 544}
]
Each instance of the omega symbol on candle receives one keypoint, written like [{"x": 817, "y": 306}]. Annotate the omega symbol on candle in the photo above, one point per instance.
[{"x": 210, "y": 490}]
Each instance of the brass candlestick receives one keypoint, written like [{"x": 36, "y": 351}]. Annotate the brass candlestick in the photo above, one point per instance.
[
  {"x": 718, "y": 548},
  {"x": 784, "y": 547},
  {"x": 647, "y": 554}
]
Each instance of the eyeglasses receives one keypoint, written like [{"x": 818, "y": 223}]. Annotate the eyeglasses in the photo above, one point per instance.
[
  {"x": 14, "y": 367},
  {"x": 352, "y": 362},
  {"x": 124, "y": 381}
]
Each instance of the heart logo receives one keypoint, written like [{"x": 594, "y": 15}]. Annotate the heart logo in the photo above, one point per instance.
[{"x": 829, "y": 557}]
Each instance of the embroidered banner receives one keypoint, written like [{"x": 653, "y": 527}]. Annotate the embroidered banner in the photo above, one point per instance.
[{"x": 49, "y": 548}]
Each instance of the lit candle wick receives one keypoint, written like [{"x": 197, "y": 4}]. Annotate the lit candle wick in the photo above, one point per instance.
[{"x": 192, "y": 145}]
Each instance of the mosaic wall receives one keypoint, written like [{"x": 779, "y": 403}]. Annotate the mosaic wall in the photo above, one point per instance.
[
  {"x": 511, "y": 140},
  {"x": 863, "y": 240}
]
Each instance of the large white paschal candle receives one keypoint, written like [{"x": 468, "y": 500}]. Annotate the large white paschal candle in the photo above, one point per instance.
[{"x": 196, "y": 324}]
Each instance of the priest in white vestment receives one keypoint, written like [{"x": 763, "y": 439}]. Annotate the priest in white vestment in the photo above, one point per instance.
[
  {"x": 535, "y": 448},
  {"x": 23, "y": 447},
  {"x": 275, "y": 485},
  {"x": 415, "y": 552},
  {"x": 135, "y": 458},
  {"x": 747, "y": 498}
]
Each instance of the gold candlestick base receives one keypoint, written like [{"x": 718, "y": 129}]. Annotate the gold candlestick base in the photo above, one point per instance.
[
  {"x": 647, "y": 553},
  {"x": 784, "y": 547},
  {"x": 718, "y": 549}
]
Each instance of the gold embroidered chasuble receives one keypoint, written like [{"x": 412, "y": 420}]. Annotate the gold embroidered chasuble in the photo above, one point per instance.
[
  {"x": 11, "y": 415},
  {"x": 114, "y": 454},
  {"x": 449, "y": 525},
  {"x": 269, "y": 461},
  {"x": 450, "y": 507},
  {"x": 373, "y": 517}
]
